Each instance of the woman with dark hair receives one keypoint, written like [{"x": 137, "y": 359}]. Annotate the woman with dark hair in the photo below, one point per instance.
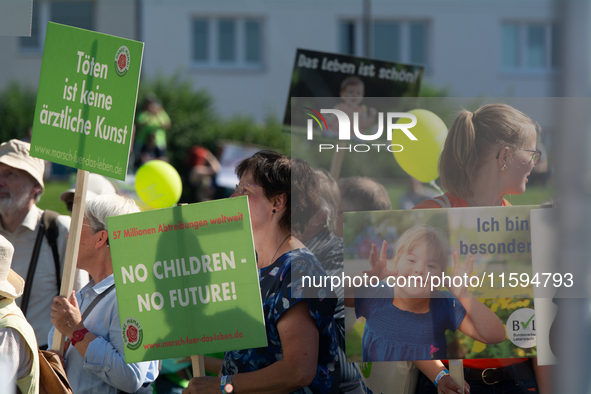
[
  {"x": 487, "y": 154},
  {"x": 301, "y": 355}
]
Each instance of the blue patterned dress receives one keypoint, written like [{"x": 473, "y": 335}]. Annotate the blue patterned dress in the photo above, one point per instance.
[{"x": 281, "y": 288}]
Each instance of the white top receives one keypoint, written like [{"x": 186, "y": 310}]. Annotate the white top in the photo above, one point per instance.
[{"x": 14, "y": 347}]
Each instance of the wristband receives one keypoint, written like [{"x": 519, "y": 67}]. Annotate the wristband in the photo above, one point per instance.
[
  {"x": 226, "y": 384},
  {"x": 440, "y": 375}
]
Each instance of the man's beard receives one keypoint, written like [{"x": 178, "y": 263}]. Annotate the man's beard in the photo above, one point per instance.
[{"x": 14, "y": 202}]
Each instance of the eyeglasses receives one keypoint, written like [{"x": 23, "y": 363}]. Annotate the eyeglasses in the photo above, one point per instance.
[
  {"x": 536, "y": 155},
  {"x": 241, "y": 185}
]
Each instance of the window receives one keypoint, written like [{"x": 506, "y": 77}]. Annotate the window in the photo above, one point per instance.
[
  {"x": 200, "y": 40},
  {"x": 71, "y": 13},
  {"x": 529, "y": 47},
  {"x": 396, "y": 41},
  {"x": 77, "y": 14},
  {"x": 386, "y": 41},
  {"x": 253, "y": 42},
  {"x": 418, "y": 42},
  {"x": 347, "y": 37},
  {"x": 231, "y": 43},
  {"x": 227, "y": 41}
]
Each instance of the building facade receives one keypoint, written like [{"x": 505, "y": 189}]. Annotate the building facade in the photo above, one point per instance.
[{"x": 242, "y": 52}]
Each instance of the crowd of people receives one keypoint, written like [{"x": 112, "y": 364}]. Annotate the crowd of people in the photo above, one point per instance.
[{"x": 296, "y": 216}]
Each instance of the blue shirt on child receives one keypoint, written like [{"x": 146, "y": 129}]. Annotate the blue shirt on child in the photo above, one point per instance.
[{"x": 392, "y": 334}]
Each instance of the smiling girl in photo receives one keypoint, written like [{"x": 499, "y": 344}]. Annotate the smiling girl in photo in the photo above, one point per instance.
[{"x": 409, "y": 322}]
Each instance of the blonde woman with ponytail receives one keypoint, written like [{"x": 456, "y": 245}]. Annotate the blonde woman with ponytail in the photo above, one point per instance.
[{"x": 488, "y": 154}]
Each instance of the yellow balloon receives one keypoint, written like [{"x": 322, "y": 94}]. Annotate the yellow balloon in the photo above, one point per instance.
[
  {"x": 420, "y": 159},
  {"x": 158, "y": 184}
]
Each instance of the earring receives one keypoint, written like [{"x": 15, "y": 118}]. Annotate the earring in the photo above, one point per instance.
[
  {"x": 504, "y": 168},
  {"x": 274, "y": 211}
]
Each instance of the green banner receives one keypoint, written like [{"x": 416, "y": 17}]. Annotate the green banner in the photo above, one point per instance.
[
  {"x": 86, "y": 100},
  {"x": 187, "y": 281}
]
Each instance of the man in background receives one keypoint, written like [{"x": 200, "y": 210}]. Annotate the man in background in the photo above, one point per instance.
[{"x": 359, "y": 193}]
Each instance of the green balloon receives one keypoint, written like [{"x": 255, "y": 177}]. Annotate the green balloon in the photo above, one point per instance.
[
  {"x": 158, "y": 184},
  {"x": 420, "y": 159}
]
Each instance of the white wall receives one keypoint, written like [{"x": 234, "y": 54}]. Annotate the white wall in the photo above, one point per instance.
[
  {"x": 466, "y": 48},
  {"x": 464, "y": 40},
  {"x": 287, "y": 25},
  {"x": 464, "y": 44}
]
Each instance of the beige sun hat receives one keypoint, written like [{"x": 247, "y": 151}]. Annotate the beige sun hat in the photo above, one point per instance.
[
  {"x": 15, "y": 153},
  {"x": 11, "y": 284},
  {"x": 98, "y": 185}
]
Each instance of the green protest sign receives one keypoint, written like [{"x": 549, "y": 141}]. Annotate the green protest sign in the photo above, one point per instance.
[
  {"x": 186, "y": 280},
  {"x": 86, "y": 100}
]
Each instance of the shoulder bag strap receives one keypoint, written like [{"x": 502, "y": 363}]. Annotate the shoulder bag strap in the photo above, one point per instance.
[
  {"x": 52, "y": 232},
  {"x": 96, "y": 301},
  {"x": 32, "y": 266}
]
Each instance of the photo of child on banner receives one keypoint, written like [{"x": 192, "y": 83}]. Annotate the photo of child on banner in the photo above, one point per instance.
[
  {"x": 352, "y": 93},
  {"x": 353, "y": 82},
  {"x": 443, "y": 291}
]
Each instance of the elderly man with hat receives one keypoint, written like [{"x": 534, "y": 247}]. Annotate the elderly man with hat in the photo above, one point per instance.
[
  {"x": 21, "y": 186},
  {"x": 95, "y": 361},
  {"x": 17, "y": 338}
]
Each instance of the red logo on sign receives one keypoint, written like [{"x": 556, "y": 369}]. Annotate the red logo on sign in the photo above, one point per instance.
[
  {"x": 122, "y": 62},
  {"x": 131, "y": 334}
]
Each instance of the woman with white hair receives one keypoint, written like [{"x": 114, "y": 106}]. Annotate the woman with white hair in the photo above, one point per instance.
[{"x": 95, "y": 359}]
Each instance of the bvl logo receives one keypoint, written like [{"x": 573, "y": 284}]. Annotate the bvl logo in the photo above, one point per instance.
[{"x": 344, "y": 129}]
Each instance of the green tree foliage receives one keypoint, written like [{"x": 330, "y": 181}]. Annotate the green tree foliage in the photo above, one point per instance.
[
  {"x": 428, "y": 90},
  {"x": 193, "y": 119},
  {"x": 194, "y": 122},
  {"x": 17, "y": 108},
  {"x": 191, "y": 114}
]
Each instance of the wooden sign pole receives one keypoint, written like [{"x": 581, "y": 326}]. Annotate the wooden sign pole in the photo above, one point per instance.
[
  {"x": 198, "y": 366},
  {"x": 72, "y": 249},
  {"x": 456, "y": 372},
  {"x": 198, "y": 362}
]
